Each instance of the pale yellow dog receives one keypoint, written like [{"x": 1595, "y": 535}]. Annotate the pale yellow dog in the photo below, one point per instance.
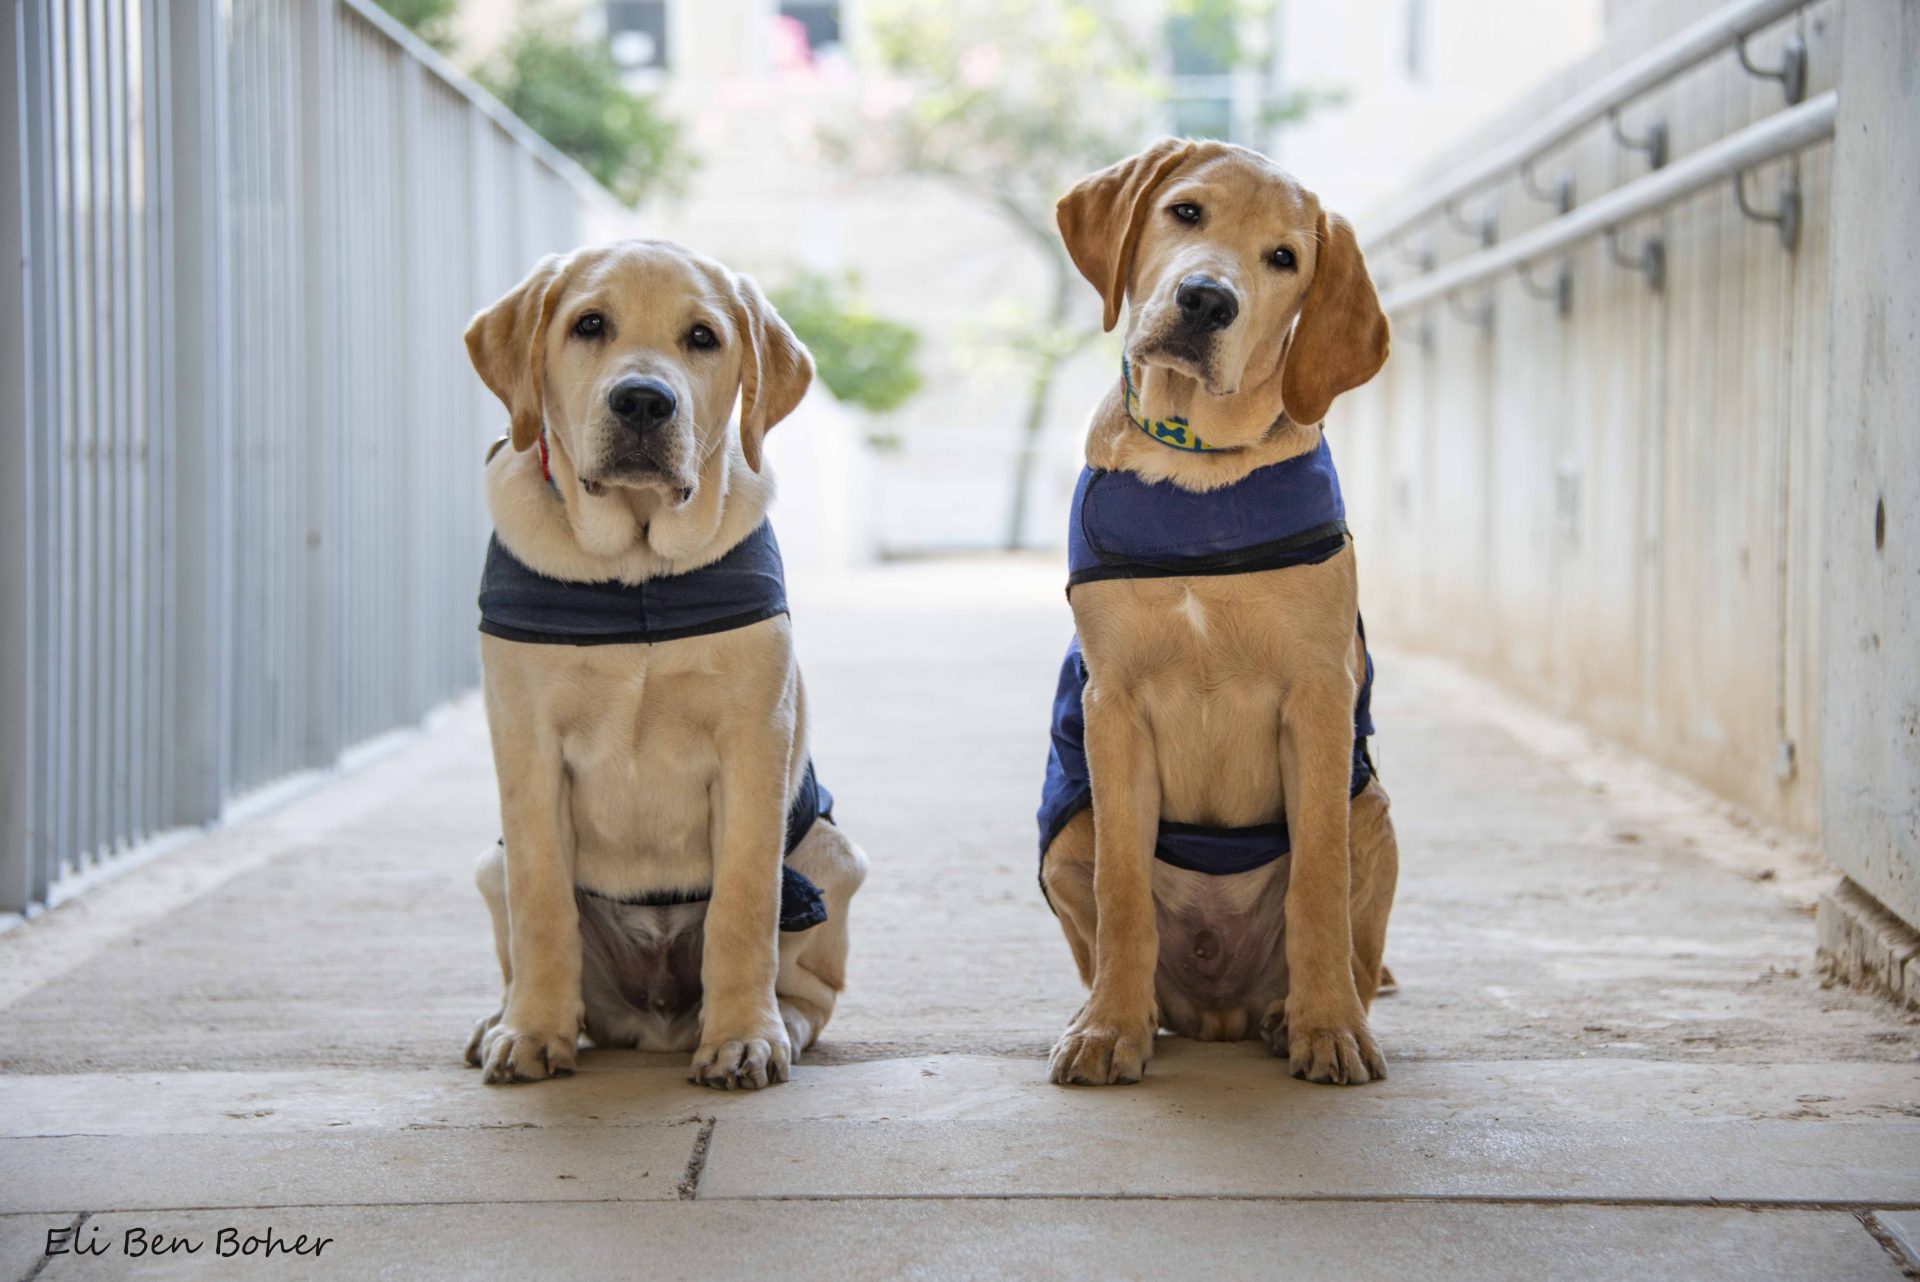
[
  {"x": 1223, "y": 700},
  {"x": 645, "y": 788}
]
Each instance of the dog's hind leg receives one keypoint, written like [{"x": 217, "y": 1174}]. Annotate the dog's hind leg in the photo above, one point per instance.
[
  {"x": 1376, "y": 871},
  {"x": 813, "y": 962},
  {"x": 1066, "y": 873},
  {"x": 490, "y": 875}
]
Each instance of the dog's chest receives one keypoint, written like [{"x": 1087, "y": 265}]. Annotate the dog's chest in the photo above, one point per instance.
[
  {"x": 642, "y": 757},
  {"x": 1200, "y": 665}
]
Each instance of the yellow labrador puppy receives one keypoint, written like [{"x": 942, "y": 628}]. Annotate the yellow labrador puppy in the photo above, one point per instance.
[
  {"x": 1214, "y": 840},
  {"x": 670, "y": 877}
]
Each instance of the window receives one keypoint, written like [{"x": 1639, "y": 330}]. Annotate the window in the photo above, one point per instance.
[
  {"x": 1203, "y": 118},
  {"x": 637, "y": 34},
  {"x": 1202, "y": 50},
  {"x": 820, "y": 19}
]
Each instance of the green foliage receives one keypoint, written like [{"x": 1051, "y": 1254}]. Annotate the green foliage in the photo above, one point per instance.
[
  {"x": 568, "y": 89},
  {"x": 864, "y": 360},
  {"x": 431, "y": 20}
]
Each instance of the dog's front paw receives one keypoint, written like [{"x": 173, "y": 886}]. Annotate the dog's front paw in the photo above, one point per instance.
[
  {"x": 476, "y": 1054},
  {"x": 513, "y": 1054},
  {"x": 752, "y": 1058},
  {"x": 1102, "y": 1052},
  {"x": 1340, "y": 1051}
]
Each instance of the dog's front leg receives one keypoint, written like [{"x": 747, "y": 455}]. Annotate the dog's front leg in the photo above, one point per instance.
[
  {"x": 743, "y": 1040},
  {"x": 539, "y": 1026},
  {"x": 1111, "y": 1039},
  {"x": 1325, "y": 1026}
]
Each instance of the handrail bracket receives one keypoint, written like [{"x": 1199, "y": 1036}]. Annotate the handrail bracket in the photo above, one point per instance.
[
  {"x": 1559, "y": 290},
  {"x": 1560, "y": 195},
  {"x": 1786, "y": 215},
  {"x": 1481, "y": 316},
  {"x": 1485, "y": 228},
  {"x": 1653, "y": 142},
  {"x": 1791, "y": 73},
  {"x": 1650, "y": 261}
]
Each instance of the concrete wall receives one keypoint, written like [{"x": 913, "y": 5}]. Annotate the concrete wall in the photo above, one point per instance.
[
  {"x": 1870, "y": 587},
  {"x": 1617, "y": 512},
  {"x": 1686, "y": 517}
]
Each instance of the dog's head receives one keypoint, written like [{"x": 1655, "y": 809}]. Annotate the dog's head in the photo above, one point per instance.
[
  {"x": 632, "y": 354},
  {"x": 1231, "y": 268}
]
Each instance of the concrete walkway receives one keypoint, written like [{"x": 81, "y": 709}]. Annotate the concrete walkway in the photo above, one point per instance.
[{"x": 1611, "y": 1056}]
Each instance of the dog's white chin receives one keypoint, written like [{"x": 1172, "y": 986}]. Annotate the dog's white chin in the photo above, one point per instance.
[
  {"x": 673, "y": 491},
  {"x": 1183, "y": 366}
]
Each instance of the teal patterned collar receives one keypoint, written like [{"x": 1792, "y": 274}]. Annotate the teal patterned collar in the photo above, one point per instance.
[{"x": 1174, "y": 433}]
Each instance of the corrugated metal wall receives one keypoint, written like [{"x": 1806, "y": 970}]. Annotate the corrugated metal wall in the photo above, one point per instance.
[
  {"x": 1617, "y": 512},
  {"x": 242, "y": 470}
]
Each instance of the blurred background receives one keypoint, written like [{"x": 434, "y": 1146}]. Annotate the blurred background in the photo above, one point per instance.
[
  {"x": 1639, "y": 454},
  {"x": 888, "y": 169}
]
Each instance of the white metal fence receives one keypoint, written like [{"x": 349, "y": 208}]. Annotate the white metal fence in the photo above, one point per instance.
[{"x": 239, "y": 488}]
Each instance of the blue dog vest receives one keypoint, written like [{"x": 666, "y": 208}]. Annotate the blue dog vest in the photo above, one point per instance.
[
  {"x": 1122, "y": 527},
  {"x": 744, "y": 587}
]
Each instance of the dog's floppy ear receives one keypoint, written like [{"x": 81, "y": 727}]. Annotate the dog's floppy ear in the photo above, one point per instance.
[
  {"x": 507, "y": 344},
  {"x": 1340, "y": 340},
  {"x": 1100, "y": 219},
  {"x": 775, "y": 367}
]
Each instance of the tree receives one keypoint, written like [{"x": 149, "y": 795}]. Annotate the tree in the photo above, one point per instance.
[
  {"x": 865, "y": 360},
  {"x": 567, "y": 87},
  {"x": 1010, "y": 102},
  {"x": 431, "y": 20}
]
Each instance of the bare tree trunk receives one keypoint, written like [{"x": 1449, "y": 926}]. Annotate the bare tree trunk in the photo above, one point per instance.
[{"x": 1047, "y": 359}]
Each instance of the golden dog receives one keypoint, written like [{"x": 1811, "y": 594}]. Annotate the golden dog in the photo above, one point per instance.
[
  {"x": 1226, "y": 700},
  {"x": 643, "y": 787}
]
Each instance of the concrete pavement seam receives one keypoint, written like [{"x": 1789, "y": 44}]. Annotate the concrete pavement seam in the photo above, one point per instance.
[
  {"x": 689, "y": 1186},
  {"x": 1854, "y": 1208},
  {"x": 1888, "y": 1241},
  {"x": 73, "y": 1230}
]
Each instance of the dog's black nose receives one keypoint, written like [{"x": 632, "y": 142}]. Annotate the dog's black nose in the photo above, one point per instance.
[
  {"x": 641, "y": 403},
  {"x": 1206, "y": 303}
]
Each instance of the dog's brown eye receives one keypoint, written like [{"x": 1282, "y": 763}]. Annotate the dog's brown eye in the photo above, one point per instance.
[
  {"x": 590, "y": 325},
  {"x": 1283, "y": 259},
  {"x": 1185, "y": 211},
  {"x": 702, "y": 338}
]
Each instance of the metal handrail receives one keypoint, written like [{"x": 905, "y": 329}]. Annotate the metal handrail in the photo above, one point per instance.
[
  {"x": 1780, "y": 133},
  {"x": 1719, "y": 31},
  {"x": 519, "y": 130}
]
